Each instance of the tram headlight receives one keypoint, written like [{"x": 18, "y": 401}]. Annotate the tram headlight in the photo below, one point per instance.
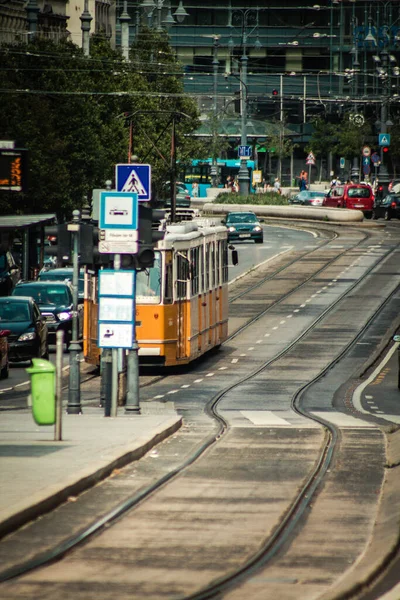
[
  {"x": 231, "y": 229},
  {"x": 257, "y": 228}
]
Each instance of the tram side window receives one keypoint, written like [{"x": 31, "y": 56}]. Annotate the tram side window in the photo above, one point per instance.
[
  {"x": 224, "y": 261},
  {"x": 207, "y": 269},
  {"x": 182, "y": 265},
  {"x": 217, "y": 264},
  {"x": 194, "y": 256},
  {"x": 168, "y": 283},
  {"x": 213, "y": 265}
]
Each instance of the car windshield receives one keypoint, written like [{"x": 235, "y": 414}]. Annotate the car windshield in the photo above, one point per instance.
[
  {"x": 241, "y": 218},
  {"x": 359, "y": 192},
  {"x": 50, "y": 276},
  {"x": 44, "y": 294},
  {"x": 14, "y": 312}
]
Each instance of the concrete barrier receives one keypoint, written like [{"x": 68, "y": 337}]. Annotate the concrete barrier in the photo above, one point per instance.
[{"x": 289, "y": 212}]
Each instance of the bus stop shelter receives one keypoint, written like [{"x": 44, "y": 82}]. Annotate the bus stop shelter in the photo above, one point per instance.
[{"x": 29, "y": 230}]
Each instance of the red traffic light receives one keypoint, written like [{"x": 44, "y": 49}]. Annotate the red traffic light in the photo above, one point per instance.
[
  {"x": 275, "y": 92},
  {"x": 385, "y": 149}
]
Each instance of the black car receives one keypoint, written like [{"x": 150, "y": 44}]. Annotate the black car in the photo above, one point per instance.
[
  {"x": 308, "y": 198},
  {"x": 28, "y": 336},
  {"x": 55, "y": 302},
  {"x": 387, "y": 208},
  {"x": 9, "y": 273},
  {"x": 244, "y": 226},
  {"x": 64, "y": 274}
]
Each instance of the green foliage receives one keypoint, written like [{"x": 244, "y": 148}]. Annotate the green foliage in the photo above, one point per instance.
[
  {"x": 323, "y": 139},
  {"x": 74, "y": 114},
  {"x": 351, "y": 139},
  {"x": 269, "y": 199}
]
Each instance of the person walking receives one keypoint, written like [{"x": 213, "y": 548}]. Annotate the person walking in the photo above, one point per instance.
[
  {"x": 277, "y": 186},
  {"x": 303, "y": 181},
  {"x": 195, "y": 189}
]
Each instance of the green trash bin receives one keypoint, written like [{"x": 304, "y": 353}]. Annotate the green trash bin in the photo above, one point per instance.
[{"x": 43, "y": 378}]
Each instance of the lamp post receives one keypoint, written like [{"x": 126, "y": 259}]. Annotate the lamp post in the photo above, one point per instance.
[
  {"x": 150, "y": 6},
  {"x": 215, "y": 63},
  {"x": 244, "y": 16}
]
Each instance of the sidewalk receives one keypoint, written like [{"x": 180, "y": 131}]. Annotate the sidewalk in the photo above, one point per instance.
[{"x": 38, "y": 473}]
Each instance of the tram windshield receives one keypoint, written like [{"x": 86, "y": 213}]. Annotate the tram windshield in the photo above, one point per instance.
[{"x": 148, "y": 283}]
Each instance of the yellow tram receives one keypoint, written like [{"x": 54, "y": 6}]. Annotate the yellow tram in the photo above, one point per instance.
[{"x": 181, "y": 302}]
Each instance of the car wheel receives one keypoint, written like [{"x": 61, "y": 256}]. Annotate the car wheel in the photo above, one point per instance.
[
  {"x": 368, "y": 215},
  {"x": 4, "y": 373},
  {"x": 387, "y": 215}
]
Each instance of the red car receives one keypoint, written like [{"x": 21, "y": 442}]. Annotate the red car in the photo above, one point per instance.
[
  {"x": 4, "y": 367},
  {"x": 355, "y": 195}
]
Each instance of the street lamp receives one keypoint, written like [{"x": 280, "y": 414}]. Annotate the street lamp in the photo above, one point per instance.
[
  {"x": 244, "y": 17},
  {"x": 149, "y": 6}
]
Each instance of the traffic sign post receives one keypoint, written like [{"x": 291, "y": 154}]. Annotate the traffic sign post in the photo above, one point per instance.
[{"x": 366, "y": 151}]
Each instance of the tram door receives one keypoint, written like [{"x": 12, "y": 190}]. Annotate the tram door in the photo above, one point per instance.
[{"x": 182, "y": 304}]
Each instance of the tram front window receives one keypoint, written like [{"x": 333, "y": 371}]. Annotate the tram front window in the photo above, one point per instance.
[{"x": 148, "y": 283}]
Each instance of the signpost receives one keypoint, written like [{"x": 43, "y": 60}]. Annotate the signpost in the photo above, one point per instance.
[
  {"x": 384, "y": 139},
  {"x": 310, "y": 161},
  {"x": 244, "y": 151}
]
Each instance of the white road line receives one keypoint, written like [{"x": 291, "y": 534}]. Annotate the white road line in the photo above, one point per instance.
[
  {"x": 282, "y": 322},
  {"x": 289, "y": 316},
  {"x": 357, "y": 393},
  {"x": 343, "y": 420},
  {"x": 160, "y": 396},
  {"x": 222, "y": 368},
  {"x": 186, "y": 385},
  {"x": 172, "y": 391},
  {"x": 234, "y": 360},
  {"x": 263, "y": 417},
  {"x": 210, "y": 374},
  {"x": 197, "y": 381},
  {"x": 251, "y": 348},
  {"x": 267, "y": 334}
]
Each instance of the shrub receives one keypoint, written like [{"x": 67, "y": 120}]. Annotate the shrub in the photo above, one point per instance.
[{"x": 269, "y": 198}]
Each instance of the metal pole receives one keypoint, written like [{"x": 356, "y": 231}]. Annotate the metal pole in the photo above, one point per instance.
[
  {"x": 114, "y": 387},
  {"x": 243, "y": 171},
  {"x": 173, "y": 172},
  {"x": 59, "y": 364},
  {"x": 124, "y": 20},
  {"x": 215, "y": 106},
  {"x": 74, "y": 397},
  {"x": 86, "y": 19},
  {"x": 132, "y": 397}
]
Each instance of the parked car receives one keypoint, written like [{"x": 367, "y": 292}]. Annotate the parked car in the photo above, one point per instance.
[
  {"x": 182, "y": 195},
  {"x": 387, "y": 208},
  {"x": 64, "y": 274},
  {"x": 358, "y": 196},
  {"x": 4, "y": 357},
  {"x": 28, "y": 332},
  {"x": 9, "y": 273},
  {"x": 244, "y": 226},
  {"x": 55, "y": 302},
  {"x": 308, "y": 198}
]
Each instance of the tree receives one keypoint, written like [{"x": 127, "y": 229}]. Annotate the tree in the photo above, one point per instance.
[
  {"x": 323, "y": 140},
  {"x": 283, "y": 145}
]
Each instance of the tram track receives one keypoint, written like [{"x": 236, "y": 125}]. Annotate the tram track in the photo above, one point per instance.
[{"x": 311, "y": 485}]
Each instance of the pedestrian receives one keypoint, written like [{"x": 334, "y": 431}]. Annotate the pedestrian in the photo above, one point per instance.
[
  {"x": 277, "y": 186},
  {"x": 303, "y": 181},
  {"x": 195, "y": 189}
]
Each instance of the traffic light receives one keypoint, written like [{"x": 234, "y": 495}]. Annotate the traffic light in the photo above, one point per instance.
[
  {"x": 61, "y": 250},
  {"x": 275, "y": 93},
  {"x": 149, "y": 235},
  {"x": 385, "y": 150}
]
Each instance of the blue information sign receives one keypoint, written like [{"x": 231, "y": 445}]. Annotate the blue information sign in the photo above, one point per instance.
[
  {"x": 375, "y": 157},
  {"x": 244, "y": 151},
  {"x": 118, "y": 210}
]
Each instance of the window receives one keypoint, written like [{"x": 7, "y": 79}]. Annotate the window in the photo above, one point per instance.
[
  {"x": 182, "y": 268},
  {"x": 148, "y": 283},
  {"x": 194, "y": 265}
]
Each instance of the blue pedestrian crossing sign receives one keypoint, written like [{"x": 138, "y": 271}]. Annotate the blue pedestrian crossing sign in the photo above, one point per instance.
[
  {"x": 384, "y": 139},
  {"x": 134, "y": 178}
]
